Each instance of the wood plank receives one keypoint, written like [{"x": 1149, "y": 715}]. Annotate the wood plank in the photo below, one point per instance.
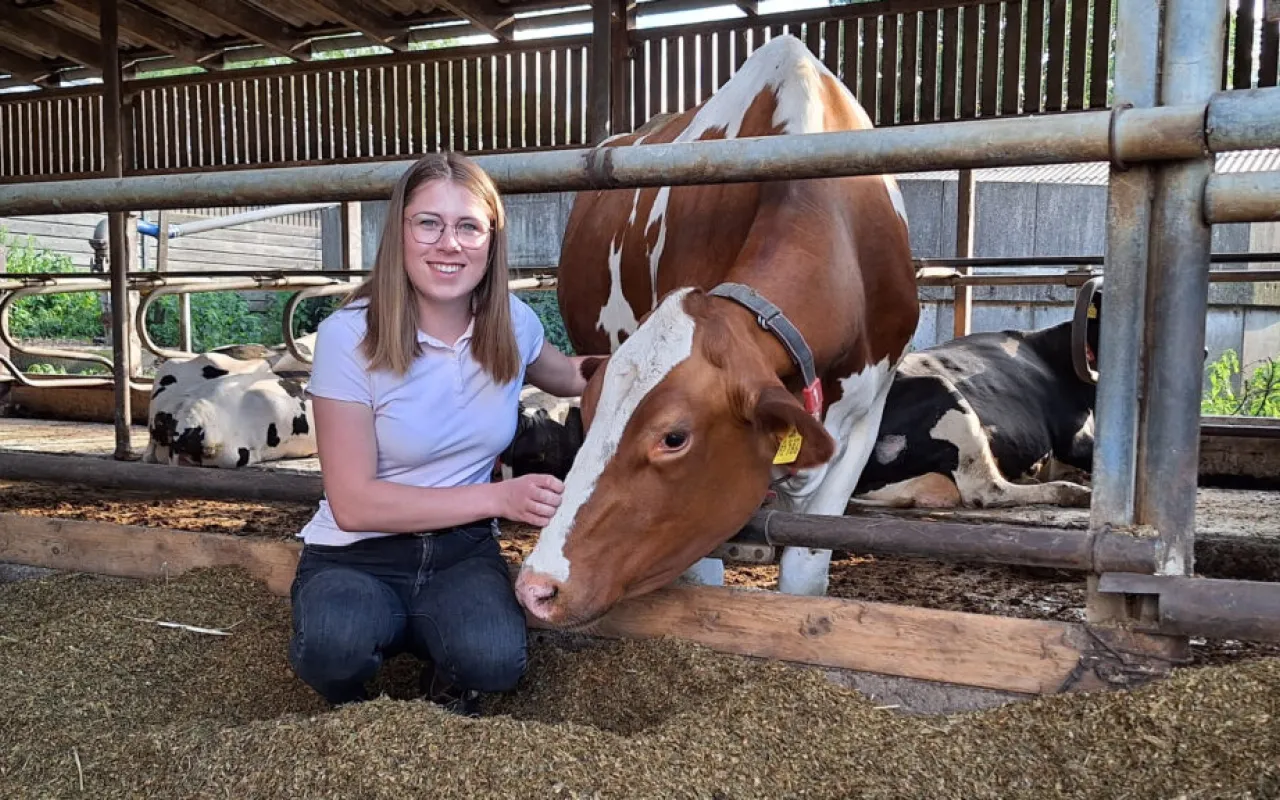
[
  {"x": 518, "y": 91},
  {"x": 639, "y": 87},
  {"x": 928, "y": 66},
  {"x": 268, "y": 137},
  {"x": 546, "y": 100},
  {"x": 1078, "y": 55},
  {"x": 1269, "y": 54},
  {"x": 502, "y": 101},
  {"x": 867, "y": 77},
  {"x": 294, "y": 134},
  {"x": 210, "y": 131},
  {"x": 1242, "y": 61},
  {"x": 471, "y": 74},
  {"x": 1032, "y": 89},
  {"x": 671, "y": 62},
  {"x": 457, "y": 106},
  {"x": 560, "y": 99},
  {"x": 1003, "y": 653},
  {"x": 830, "y": 49},
  {"x": 578, "y": 99},
  {"x": 707, "y": 64},
  {"x": 1057, "y": 55},
  {"x": 812, "y": 37},
  {"x": 431, "y": 95},
  {"x": 351, "y": 118},
  {"x": 890, "y": 71},
  {"x": 532, "y": 64},
  {"x": 1100, "y": 55},
  {"x": 689, "y": 69},
  {"x": 910, "y": 67},
  {"x": 1012, "y": 46},
  {"x": 741, "y": 48},
  {"x": 971, "y": 27},
  {"x": 488, "y": 98},
  {"x": 950, "y": 63},
  {"x": 372, "y": 82},
  {"x": 989, "y": 72}
]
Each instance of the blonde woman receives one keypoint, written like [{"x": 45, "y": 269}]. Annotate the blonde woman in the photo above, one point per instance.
[{"x": 415, "y": 387}]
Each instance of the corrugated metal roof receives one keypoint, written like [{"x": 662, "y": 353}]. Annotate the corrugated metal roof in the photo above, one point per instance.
[{"x": 1095, "y": 173}]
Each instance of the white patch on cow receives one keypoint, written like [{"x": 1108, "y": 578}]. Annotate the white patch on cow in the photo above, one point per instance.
[
  {"x": 895, "y": 197},
  {"x": 617, "y": 316},
  {"x": 854, "y": 422},
  {"x": 639, "y": 365},
  {"x": 657, "y": 216},
  {"x": 889, "y": 448},
  {"x": 1010, "y": 345},
  {"x": 1085, "y": 434}
]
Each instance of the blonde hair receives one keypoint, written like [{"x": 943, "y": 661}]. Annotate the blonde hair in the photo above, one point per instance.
[{"x": 391, "y": 340}]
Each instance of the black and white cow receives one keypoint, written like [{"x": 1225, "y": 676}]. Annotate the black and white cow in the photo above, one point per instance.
[
  {"x": 548, "y": 435},
  {"x": 981, "y": 420},
  {"x": 231, "y": 407}
]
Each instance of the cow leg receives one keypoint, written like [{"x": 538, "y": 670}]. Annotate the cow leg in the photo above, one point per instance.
[
  {"x": 978, "y": 477},
  {"x": 931, "y": 490},
  {"x": 854, "y": 424}
]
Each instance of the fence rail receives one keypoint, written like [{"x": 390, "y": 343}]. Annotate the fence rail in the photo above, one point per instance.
[{"x": 908, "y": 61}]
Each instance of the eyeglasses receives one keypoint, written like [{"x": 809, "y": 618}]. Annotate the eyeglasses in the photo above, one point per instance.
[{"x": 428, "y": 228}]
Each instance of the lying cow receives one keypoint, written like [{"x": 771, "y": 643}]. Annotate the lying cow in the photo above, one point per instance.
[
  {"x": 231, "y": 407},
  {"x": 548, "y": 435},
  {"x": 981, "y": 420}
]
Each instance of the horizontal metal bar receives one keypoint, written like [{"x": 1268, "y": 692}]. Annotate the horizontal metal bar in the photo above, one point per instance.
[
  {"x": 1242, "y": 197},
  {"x": 997, "y": 544},
  {"x": 1211, "y": 607},
  {"x": 1232, "y": 121},
  {"x": 1137, "y": 135}
]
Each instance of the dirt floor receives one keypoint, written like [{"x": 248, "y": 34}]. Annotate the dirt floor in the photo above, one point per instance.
[{"x": 1025, "y": 592}]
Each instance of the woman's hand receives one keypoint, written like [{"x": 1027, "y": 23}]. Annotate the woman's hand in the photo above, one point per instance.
[{"x": 531, "y": 499}]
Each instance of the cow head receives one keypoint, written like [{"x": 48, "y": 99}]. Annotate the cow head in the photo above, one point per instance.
[
  {"x": 683, "y": 423},
  {"x": 542, "y": 444}
]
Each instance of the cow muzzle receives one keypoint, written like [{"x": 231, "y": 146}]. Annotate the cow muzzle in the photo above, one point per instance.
[{"x": 547, "y": 601}]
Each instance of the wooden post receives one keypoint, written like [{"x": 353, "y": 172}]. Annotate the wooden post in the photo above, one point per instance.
[
  {"x": 963, "y": 303},
  {"x": 600, "y": 76},
  {"x": 352, "y": 243},
  {"x": 113, "y": 159}
]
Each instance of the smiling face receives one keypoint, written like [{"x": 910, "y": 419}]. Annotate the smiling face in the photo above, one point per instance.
[{"x": 445, "y": 271}]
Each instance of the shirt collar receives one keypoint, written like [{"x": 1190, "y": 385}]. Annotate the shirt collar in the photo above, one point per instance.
[{"x": 426, "y": 338}]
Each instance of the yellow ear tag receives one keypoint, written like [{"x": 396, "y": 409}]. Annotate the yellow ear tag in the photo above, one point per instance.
[
  {"x": 788, "y": 448},
  {"x": 1092, "y": 313}
]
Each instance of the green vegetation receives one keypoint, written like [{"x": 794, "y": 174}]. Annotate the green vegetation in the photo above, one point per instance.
[
  {"x": 50, "y": 316},
  {"x": 1259, "y": 394},
  {"x": 548, "y": 310}
]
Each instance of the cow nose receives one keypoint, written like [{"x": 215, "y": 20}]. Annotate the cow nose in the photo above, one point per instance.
[{"x": 537, "y": 593}]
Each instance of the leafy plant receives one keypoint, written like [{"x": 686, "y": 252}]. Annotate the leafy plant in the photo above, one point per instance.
[
  {"x": 548, "y": 310},
  {"x": 1259, "y": 394},
  {"x": 50, "y": 316}
]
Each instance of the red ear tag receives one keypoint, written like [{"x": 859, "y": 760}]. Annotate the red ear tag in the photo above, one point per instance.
[{"x": 813, "y": 398}]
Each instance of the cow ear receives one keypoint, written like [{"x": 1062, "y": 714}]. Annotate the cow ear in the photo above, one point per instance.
[
  {"x": 590, "y": 365},
  {"x": 779, "y": 413}
]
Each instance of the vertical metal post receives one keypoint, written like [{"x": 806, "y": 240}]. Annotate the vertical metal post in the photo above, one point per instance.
[
  {"x": 962, "y": 303},
  {"x": 1178, "y": 294},
  {"x": 108, "y": 27},
  {"x": 600, "y": 75},
  {"x": 1120, "y": 362}
]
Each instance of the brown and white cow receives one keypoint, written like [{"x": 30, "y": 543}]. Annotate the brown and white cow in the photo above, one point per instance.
[
  {"x": 231, "y": 407},
  {"x": 685, "y": 418}
]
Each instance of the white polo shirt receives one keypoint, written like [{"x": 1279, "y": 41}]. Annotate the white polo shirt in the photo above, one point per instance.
[{"x": 441, "y": 424}]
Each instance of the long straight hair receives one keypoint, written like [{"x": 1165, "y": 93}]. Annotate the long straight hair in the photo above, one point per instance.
[{"x": 391, "y": 340}]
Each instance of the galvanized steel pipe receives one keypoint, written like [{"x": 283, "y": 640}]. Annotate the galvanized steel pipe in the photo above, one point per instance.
[
  {"x": 1137, "y": 135},
  {"x": 1242, "y": 197}
]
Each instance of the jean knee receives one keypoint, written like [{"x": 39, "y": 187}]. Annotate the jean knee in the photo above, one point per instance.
[
  {"x": 342, "y": 622},
  {"x": 495, "y": 665}
]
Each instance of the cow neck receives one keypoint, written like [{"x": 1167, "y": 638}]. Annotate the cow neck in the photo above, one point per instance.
[{"x": 771, "y": 318}]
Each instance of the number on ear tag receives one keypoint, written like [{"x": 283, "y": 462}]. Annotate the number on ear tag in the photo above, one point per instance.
[{"x": 788, "y": 448}]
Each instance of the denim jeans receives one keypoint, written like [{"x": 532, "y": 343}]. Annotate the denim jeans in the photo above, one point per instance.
[{"x": 445, "y": 597}]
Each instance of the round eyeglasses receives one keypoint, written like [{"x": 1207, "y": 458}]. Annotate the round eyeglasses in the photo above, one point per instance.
[{"x": 428, "y": 228}]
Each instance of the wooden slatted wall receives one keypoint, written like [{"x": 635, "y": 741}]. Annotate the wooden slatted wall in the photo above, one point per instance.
[{"x": 908, "y": 62}]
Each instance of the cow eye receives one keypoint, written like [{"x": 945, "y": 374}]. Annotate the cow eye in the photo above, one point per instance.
[{"x": 675, "y": 440}]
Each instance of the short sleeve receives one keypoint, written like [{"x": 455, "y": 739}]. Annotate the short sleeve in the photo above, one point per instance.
[
  {"x": 528, "y": 329},
  {"x": 339, "y": 370}
]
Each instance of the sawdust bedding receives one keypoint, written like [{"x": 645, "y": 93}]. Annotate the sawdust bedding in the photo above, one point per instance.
[
  {"x": 978, "y": 588},
  {"x": 99, "y": 701}
]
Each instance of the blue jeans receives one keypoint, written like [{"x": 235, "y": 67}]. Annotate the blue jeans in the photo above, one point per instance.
[{"x": 445, "y": 597}]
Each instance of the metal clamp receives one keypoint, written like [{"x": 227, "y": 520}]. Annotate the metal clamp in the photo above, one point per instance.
[{"x": 1113, "y": 149}]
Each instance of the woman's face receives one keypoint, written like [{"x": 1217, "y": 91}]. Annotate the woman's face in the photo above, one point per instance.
[{"x": 446, "y": 241}]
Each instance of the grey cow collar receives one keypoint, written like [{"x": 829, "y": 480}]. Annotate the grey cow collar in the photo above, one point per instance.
[{"x": 771, "y": 318}]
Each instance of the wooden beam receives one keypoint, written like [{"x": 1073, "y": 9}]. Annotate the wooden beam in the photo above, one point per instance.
[
  {"x": 487, "y": 16},
  {"x": 250, "y": 22},
  {"x": 150, "y": 28},
  {"x": 751, "y": 7},
  {"x": 600, "y": 72},
  {"x": 1007, "y": 654},
  {"x": 23, "y": 67},
  {"x": 378, "y": 28},
  {"x": 45, "y": 35}
]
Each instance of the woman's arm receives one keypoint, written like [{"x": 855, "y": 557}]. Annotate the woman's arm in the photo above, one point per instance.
[
  {"x": 360, "y": 502},
  {"x": 556, "y": 373}
]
